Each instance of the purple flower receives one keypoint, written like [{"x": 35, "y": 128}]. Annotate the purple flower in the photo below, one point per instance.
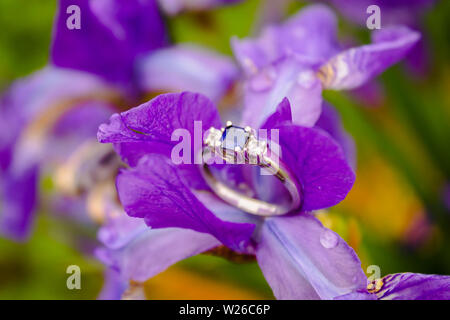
[
  {"x": 301, "y": 57},
  {"x": 117, "y": 40},
  {"x": 49, "y": 119},
  {"x": 42, "y": 114},
  {"x": 173, "y": 7},
  {"x": 404, "y": 286},
  {"x": 393, "y": 12},
  {"x": 298, "y": 256}
]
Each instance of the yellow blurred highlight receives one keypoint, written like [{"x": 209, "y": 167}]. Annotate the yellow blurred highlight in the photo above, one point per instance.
[
  {"x": 179, "y": 284},
  {"x": 382, "y": 200}
]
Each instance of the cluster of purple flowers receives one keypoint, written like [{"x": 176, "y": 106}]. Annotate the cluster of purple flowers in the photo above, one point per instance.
[{"x": 153, "y": 213}]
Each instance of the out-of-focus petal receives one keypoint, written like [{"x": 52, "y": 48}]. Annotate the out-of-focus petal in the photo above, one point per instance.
[
  {"x": 137, "y": 252},
  {"x": 311, "y": 35},
  {"x": 362, "y": 295},
  {"x": 354, "y": 67},
  {"x": 414, "y": 286},
  {"x": 17, "y": 203},
  {"x": 287, "y": 79},
  {"x": 173, "y": 7},
  {"x": 254, "y": 54},
  {"x": 187, "y": 68},
  {"x": 319, "y": 165},
  {"x": 118, "y": 231},
  {"x": 303, "y": 260},
  {"x": 111, "y": 36},
  {"x": 148, "y": 128},
  {"x": 35, "y": 112},
  {"x": 151, "y": 251},
  {"x": 48, "y": 91},
  {"x": 157, "y": 192},
  {"x": 113, "y": 286},
  {"x": 392, "y": 11}
]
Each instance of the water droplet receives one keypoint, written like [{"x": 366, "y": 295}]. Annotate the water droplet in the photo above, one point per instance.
[{"x": 329, "y": 239}]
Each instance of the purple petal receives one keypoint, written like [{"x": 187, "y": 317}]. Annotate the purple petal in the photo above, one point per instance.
[
  {"x": 156, "y": 191},
  {"x": 319, "y": 165},
  {"x": 286, "y": 79},
  {"x": 112, "y": 35},
  {"x": 392, "y": 11},
  {"x": 255, "y": 54},
  {"x": 113, "y": 286},
  {"x": 35, "y": 113},
  {"x": 42, "y": 148},
  {"x": 268, "y": 188},
  {"x": 43, "y": 91},
  {"x": 119, "y": 230},
  {"x": 148, "y": 128},
  {"x": 303, "y": 260},
  {"x": 187, "y": 68},
  {"x": 418, "y": 59},
  {"x": 415, "y": 286},
  {"x": 362, "y": 295},
  {"x": 226, "y": 211},
  {"x": 152, "y": 251},
  {"x": 330, "y": 121},
  {"x": 282, "y": 115},
  {"x": 173, "y": 7},
  {"x": 55, "y": 134},
  {"x": 17, "y": 203},
  {"x": 310, "y": 34},
  {"x": 356, "y": 66}
]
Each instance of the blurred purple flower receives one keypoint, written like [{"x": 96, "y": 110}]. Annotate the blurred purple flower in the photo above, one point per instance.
[
  {"x": 173, "y": 7},
  {"x": 112, "y": 35},
  {"x": 49, "y": 119},
  {"x": 301, "y": 57},
  {"x": 312, "y": 263},
  {"x": 32, "y": 111}
]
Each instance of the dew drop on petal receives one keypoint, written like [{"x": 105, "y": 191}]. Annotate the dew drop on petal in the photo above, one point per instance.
[{"x": 329, "y": 239}]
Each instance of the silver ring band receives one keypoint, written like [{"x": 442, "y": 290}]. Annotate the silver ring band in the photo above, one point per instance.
[{"x": 248, "y": 150}]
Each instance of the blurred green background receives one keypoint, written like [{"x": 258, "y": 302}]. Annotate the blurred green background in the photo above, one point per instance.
[{"x": 394, "y": 217}]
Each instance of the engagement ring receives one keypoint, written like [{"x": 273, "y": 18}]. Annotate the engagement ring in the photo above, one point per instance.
[{"x": 237, "y": 145}]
